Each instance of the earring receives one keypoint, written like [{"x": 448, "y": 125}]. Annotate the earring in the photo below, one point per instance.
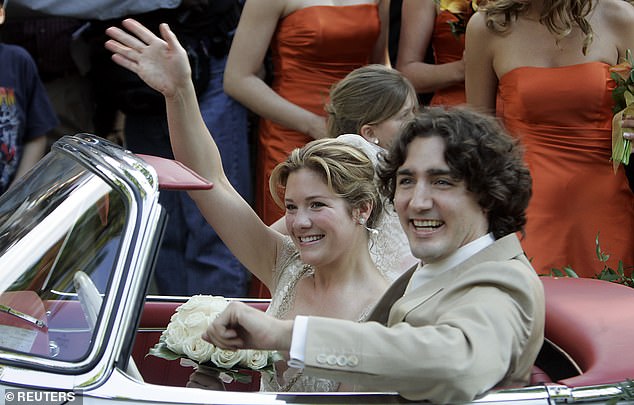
[
  {"x": 373, "y": 231},
  {"x": 375, "y": 141}
]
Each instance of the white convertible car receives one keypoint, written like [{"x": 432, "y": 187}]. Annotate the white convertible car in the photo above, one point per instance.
[{"x": 78, "y": 240}]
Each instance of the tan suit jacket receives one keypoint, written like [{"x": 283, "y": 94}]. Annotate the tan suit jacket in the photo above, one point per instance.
[{"x": 477, "y": 326}]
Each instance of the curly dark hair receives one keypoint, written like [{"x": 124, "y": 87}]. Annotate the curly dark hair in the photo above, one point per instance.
[{"x": 478, "y": 151}]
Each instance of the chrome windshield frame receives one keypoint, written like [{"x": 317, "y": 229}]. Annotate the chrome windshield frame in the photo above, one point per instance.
[{"x": 137, "y": 183}]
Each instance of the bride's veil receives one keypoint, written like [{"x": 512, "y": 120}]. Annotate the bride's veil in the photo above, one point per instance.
[{"x": 388, "y": 247}]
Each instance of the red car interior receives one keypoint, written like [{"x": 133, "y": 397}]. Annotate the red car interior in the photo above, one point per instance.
[{"x": 579, "y": 316}]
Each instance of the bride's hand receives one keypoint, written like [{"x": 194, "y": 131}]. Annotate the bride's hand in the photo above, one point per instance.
[
  {"x": 205, "y": 378},
  {"x": 160, "y": 62}
]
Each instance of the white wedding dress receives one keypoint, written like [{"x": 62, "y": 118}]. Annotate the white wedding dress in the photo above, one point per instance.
[
  {"x": 388, "y": 248},
  {"x": 287, "y": 273}
]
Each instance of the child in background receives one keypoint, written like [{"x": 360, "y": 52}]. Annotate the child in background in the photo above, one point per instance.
[{"x": 26, "y": 114}]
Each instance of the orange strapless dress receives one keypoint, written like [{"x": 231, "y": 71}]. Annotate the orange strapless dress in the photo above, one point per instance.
[
  {"x": 312, "y": 48},
  {"x": 563, "y": 118},
  {"x": 447, "y": 48}
]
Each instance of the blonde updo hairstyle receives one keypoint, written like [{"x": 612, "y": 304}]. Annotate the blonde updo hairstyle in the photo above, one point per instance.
[
  {"x": 368, "y": 95},
  {"x": 345, "y": 169},
  {"x": 559, "y": 16}
]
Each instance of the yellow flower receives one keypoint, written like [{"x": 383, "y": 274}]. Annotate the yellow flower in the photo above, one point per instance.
[
  {"x": 458, "y": 6},
  {"x": 623, "y": 69},
  {"x": 462, "y": 10},
  {"x": 454, "y": 6}
]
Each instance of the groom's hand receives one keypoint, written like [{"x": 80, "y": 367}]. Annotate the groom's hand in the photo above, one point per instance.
[{"x": 240, "y": 326}]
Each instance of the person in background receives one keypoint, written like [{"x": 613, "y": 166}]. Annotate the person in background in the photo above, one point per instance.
[
  {"x": 193, "y": 259},
  {"x": 96, "y": 9},
  {"x": 372, "y": 101},
  {"x": 52, "y": 31},
  {"x": 327, "y": 188},
  {"x": 543, "y": 67},
  {"x": 51, "y": 41},
  {"x": 312, "y": 44},
  {"x": 441, "y": 25},
  {"x": 471, "y": 317},
  {"x": 26, "y": 114}
]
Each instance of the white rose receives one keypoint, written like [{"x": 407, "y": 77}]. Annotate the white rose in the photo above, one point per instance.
[
  {"x": 189, "y": 322},
  {"x": 255, "y": 359},
  {"x": 175, "y": 334},
  {"x": 217, "y": 305},
  {"x": 196, "y": 322},
  {"x": 227, "y": 358},
  {"x": 197, "y": 349},
  {"x": 207, "y": 304},
  {"x": 193, "y": 303}
]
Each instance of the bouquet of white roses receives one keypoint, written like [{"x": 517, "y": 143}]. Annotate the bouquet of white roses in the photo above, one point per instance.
[{"x": 182, "y": 339}]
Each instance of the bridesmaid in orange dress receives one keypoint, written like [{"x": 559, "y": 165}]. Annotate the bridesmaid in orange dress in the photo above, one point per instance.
[
  {"x": 549, "y": 69},
  {"x": 313, "y": 44},
  {"x": 423, "y": 22}
]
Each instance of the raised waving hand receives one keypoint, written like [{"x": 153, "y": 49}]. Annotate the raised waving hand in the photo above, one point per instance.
[{"x": 160, "y": 62}]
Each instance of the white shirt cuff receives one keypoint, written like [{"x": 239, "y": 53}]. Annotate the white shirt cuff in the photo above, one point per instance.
[{"x": 298, "y": 342}]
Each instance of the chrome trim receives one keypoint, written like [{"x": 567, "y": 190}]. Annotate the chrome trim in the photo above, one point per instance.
[
  {"x": 601, "y": 392},
  {"x": 531, "y": 394},
  {"x": 121, "y": 387}
]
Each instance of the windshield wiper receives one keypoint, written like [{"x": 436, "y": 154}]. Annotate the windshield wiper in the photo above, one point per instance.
[{"x": 25, "y": 317}]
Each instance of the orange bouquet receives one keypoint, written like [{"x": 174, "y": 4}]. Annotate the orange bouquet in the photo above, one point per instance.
[{"x": 623, "y": 95}]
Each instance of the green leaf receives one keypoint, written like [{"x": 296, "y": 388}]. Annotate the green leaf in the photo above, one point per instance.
[
  {"x": 570, "y": 272},
  {"x": 556, "y": 273},
  {"x": 625, "y": 155},
  {"x": 608, "y": 275},
  {"x": 160, "y": 350}
]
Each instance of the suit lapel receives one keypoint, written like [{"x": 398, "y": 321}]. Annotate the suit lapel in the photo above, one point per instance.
[
  {"x": 381, "y": 310},
  {"x": 505, "y": 248},
  {"x": 409, "y": 301}
]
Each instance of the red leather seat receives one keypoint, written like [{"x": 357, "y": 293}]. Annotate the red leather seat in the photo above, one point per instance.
[{"x": 591, "y": 320}]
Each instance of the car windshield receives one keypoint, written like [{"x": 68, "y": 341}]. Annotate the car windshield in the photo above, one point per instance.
[{"x": 60, "y": 230}]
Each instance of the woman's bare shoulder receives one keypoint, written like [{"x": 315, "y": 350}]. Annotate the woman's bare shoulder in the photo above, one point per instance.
[
  {"x": 266, "y": 7},
  {"x": 478, "y": 29},
  {"x": 477, "y": 23},
  {"x": 616, "y": 17},
  {"x": 617, "y": 13}
]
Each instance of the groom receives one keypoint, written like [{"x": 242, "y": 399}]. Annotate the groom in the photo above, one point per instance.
[{"x": 472, "y": 317}]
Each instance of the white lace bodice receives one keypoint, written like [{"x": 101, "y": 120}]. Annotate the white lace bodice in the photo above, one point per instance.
[{"x": 287, "y": 273}]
